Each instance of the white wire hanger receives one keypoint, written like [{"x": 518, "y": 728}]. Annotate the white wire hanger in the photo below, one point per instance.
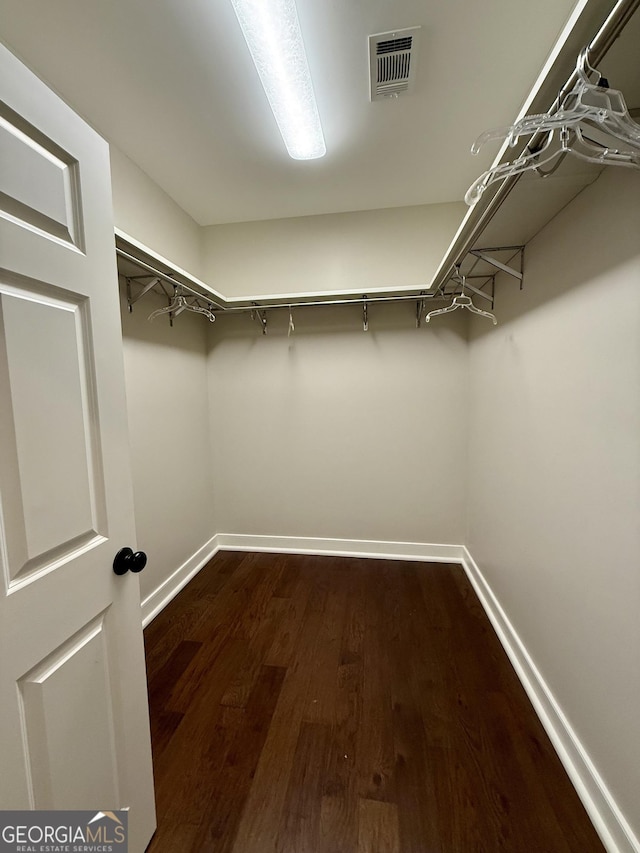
[
  {"x": 461, "y": 301},
  {"x": 180, "y": 303},
  {"x": 587, "y": 106}
]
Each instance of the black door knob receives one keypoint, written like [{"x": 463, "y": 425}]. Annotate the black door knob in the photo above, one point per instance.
[{"x": 125, "y": 561}]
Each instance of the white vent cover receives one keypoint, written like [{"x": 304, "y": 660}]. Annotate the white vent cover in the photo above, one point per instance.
[{"x": 392, "y": 62}]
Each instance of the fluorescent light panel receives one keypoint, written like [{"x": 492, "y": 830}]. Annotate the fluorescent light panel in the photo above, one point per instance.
[{"x": 272, "y": 32}]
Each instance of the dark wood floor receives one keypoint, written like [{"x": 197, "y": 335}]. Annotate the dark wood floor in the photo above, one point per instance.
[{"x": 331, "y": 705}]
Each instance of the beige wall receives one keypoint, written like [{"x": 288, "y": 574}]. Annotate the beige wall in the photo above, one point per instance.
[
  {"x": 144, "y": 211},
  {"x": 165, "y": 371},
  {"x": 335, "y": 432},
  {"x": 554, "y": 474},
  {"x": 361, "y": 251}
]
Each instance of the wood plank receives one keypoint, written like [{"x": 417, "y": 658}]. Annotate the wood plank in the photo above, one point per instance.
[
  {"x": 320, "y": 704},
  {"x": 245, "y": 736},
  {"x": 259, "y": 626},
  {"x": 292, "y": 610},
  {"x": 375, "y": 743},
  {"x": 378, "y": 830},
  {"x": 339, "y": 809},
  {"x": 161, "y": 685},
  {"x": 288, "y": 581},
  {"x": 163, "y": 727},
  {"x": 175, "y": 837},
  {"x": 200, "y": 727},
  {"x": 338, "y": 826},
  {"x": 267, "y": 571},
  {"x": 259, "y": 827},
  {"x": 300, "y": 828}
]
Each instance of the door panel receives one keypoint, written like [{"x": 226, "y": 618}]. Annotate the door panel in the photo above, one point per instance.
[
  {"x": 72, "y": 683},
  {"x": 74, "y": 723},
  {"x": 49, "y": 200},
  {"x": 54, "y": 456}
]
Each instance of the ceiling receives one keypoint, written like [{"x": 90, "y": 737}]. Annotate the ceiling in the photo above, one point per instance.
[{"x": 172, "y": 85}]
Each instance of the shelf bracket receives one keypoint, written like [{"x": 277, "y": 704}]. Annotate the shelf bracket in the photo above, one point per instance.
[
  {"x": 479, "y": 292},
  {"x": 261, "y": 316},
  {"x": 147, "y": 287},
  {"x": 484, "y": 255}
]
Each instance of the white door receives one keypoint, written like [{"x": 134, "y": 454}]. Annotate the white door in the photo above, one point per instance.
[{"x": 74, "y": 720}]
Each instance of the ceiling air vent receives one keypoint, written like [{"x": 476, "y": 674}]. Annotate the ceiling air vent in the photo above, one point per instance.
[{"x": 392, "y": 62}]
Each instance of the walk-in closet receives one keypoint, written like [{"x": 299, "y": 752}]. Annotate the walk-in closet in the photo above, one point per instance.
[{"x": 319, "y": 435}]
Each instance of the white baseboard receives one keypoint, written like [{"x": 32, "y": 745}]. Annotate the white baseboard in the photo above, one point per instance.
[
  {"x": 167, "y": 591},
  {"x": 435, "y": 553},
  {"x": 616, "y": 834}
]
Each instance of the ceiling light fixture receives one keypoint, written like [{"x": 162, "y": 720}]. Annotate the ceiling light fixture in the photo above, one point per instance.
[{"x": 272, "y": 32}]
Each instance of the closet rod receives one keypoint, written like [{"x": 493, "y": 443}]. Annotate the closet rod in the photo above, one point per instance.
[
  {"x": 356, "y": 300},
  {"x": 613, "y": 26}
]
